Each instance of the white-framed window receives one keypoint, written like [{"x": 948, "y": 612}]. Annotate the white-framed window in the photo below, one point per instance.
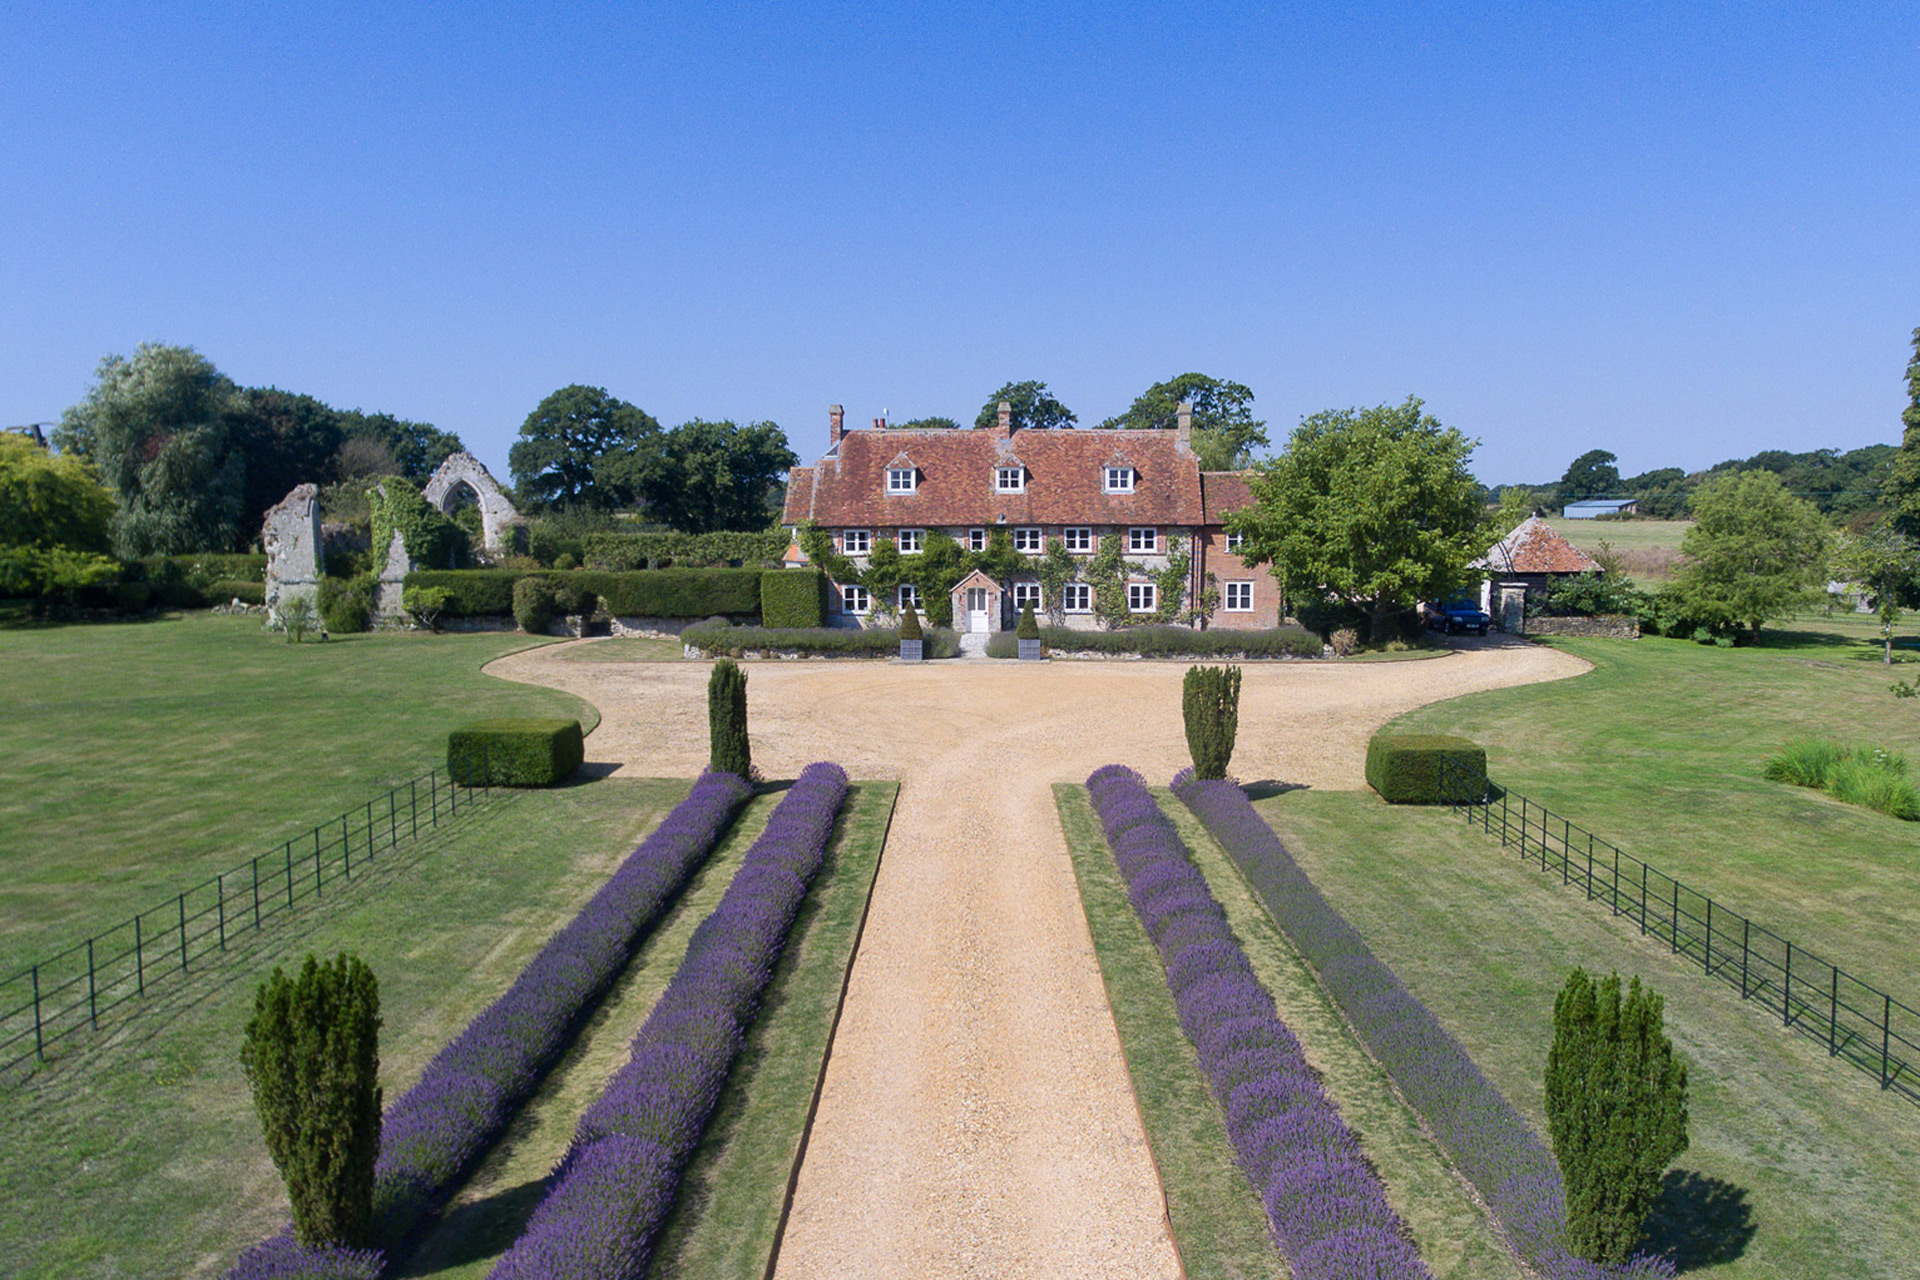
[
  {"x": 1026, "y": 593},
  {"x": 976, "y": 539},
  {"x": 1119, "y": 479},
  {"x": 1239, "y": 597},
  {"x": 1141, "y": 597},
  {"x": 1143, "y": 541},
  {"x": 854, "y": 599},
  {"x": 1010, "y": 479},
  {"x": 1235, "y": 541},
  {"x": 856, "y": 542},
  {"x": 902, "y": 480},
  {"x": 911, "y": 540},
  {"x": 1027, "y": 540},
  {"x": 1077, "y": 597},
  {"x": 909, "y": 595},
  {"x": 1079, "y": 537}
]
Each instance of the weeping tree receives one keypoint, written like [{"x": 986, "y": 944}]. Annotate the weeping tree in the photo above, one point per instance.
[
  {"x": 312, "y": 1056},
  {"x": 1210, "y": 699},
  {"x": 727, "y": 720},
  {"x": 1616, "y": 1110}
]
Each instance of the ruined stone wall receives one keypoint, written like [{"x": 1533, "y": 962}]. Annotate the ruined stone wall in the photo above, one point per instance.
[
  {"x": 291, "y": 536},
  {"x": 1612, "y": 626}
]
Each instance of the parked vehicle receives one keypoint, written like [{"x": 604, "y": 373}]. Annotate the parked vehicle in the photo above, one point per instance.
[{"x": 1461, "y": 614}]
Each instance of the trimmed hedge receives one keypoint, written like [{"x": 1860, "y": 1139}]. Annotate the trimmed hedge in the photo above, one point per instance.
[
  {"x": 1406, "y": 768},
  {"x": 471, "y": 593},
  {"x": 227, "y": 590},
  {"x": 623, "y": 552},
  {"x": 515, "y": 753},
  {"x": 1173, "y": 642},
  {"x": 654, "y": 593},
  {"x": 793, "y": 598},
  {"x": 852, "y": 642}
]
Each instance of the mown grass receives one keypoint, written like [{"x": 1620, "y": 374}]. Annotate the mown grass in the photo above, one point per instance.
[
  {"x": 143, "y": 1157},
  {"x": 1661, "y": 748},
  {"x": 138, "y": 758},
  {"x": 1218, "y": 1221},
  {"x": 1800, "y": 1167}
]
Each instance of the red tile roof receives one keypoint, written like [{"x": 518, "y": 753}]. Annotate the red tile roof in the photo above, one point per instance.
[
  {"x": 1224, "y": 491},
  {"x": 1535, "y": 547},
  {"x": 1065, "y": 481}
]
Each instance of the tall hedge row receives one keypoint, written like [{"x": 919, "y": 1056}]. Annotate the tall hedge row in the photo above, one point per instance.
[
  {"x": 793, "y": 598},
  {"x": 621, "y": 552},
  {"x": 654, "y": 593}
]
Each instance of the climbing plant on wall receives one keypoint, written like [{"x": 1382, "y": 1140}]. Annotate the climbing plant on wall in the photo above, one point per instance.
[{"x": 432, "y": 540}]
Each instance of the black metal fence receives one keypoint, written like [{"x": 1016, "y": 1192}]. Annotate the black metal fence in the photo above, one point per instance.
[
  {"x": 82, "y": 987},
  {"x": 1855, "y": 1020}
]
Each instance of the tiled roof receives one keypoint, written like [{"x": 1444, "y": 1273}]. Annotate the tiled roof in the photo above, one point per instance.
[
  {"x": 1224, "y": 491},
  {"x": 1535, "y": 547},
  {"x": 1065, "y": 480}
]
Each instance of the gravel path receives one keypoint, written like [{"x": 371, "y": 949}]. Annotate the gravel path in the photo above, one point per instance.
[{"x": 977, "y": 1118}]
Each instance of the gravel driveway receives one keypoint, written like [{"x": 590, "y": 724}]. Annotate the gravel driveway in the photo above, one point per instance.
[{"x": 977, "y": 1118}]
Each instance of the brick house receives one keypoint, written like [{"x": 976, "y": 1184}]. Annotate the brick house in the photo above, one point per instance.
[{"x": 1142, "y": 487}]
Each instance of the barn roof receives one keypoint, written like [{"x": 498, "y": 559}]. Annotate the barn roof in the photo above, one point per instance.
[{"x": 1535, "y": 547}]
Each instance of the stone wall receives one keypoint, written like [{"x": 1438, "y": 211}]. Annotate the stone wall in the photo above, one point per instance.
[
  {"x": 1611, "y": 626},
  {"x": 291, "y": 535}
]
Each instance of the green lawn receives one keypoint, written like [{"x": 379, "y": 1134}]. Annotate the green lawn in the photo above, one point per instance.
[
  {"x": 1218, "y": 1221},
  {"x": 139, "y": 758},
  {"x": 1625, "y": 535},
  {"x": 1800, "y": 1168},
  {"x": 143, "y": 1157},
  {"x": 1659, "y": 749}
]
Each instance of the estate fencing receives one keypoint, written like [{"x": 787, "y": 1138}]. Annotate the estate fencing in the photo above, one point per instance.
[
  {"x": 1855, "y": 1020},
  {"x": 79, "y": 988}
]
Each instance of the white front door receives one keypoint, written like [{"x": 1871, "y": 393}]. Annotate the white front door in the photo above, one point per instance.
[{"x": 976, "y": 609}]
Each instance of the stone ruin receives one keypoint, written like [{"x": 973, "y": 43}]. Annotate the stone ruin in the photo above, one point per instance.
[{"x": 292, "y": 535}]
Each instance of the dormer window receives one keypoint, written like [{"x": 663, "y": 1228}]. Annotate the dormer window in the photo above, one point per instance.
[
  {"x": 1009, "y": 479},
  {"x": 902, "y": 480},
  {"x": 1119, "y": 479}
]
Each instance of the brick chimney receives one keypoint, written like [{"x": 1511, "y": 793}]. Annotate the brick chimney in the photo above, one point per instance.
[
  {"x": 1183, "y": 428},
  {"x": 836, "y": 424},
  {"x": 1004, "y": 427}
]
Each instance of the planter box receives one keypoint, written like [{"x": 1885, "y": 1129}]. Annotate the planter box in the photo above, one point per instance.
[
  {"x": 912, "y": 650},
  {"x": 1030, "y": 650}
]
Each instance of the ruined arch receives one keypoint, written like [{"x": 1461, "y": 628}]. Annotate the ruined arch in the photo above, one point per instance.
[{"x": 462, "y": 472}]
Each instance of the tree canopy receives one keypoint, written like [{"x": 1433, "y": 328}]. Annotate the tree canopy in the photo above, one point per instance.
[
  {"x": 285, "y": 439},
  {"x": 156, "y": 426},
  {"x": 1755, "y": 552},
  {"x": 1903, "y": 476},
  {"x": 417, "y": 448},
  {"x": 1591, "y": 475},
  {"x": 1225, "y": 432},
  {"x": 1034, "y": 409},
  {"x": 1374, "y": 508},
  {"x": 926, "y": 424},
  {"x": 573, "y": 448},
  {"x": 56, "y": 522},
  {"x": 709, "y": 476}
]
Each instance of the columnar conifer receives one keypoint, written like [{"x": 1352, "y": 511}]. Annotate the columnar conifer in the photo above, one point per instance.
[
  {"x": 1210, "y": 699},
  {"x": 312, "y": 1055},
  {"x": 729, "y": 751},
  {"x": 1616, "y": 1110}
]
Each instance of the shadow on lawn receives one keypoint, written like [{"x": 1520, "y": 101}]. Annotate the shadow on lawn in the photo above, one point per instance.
[
  {"x": 1268, "y": 788},
  {"x": 1699, "y": 1221},
  {"x": 479, "y": 1229}
]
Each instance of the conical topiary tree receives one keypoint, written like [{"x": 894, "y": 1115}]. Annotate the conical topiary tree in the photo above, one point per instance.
[
  {"x": 312, "y": 1055},
  {"x": 909, "y": 624},
  {"x": 728, "y": 749},
  {"x": 1029, "y": 628},
  {"x": 1616, "y": 1110},
  {"x": 1210, "y": 702}
]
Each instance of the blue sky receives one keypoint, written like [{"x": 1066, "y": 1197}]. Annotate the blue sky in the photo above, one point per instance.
[{"x": 1681, "y": 232}]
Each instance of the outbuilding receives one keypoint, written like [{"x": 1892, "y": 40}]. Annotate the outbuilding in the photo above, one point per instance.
[{"x": 1594, "y": 508}]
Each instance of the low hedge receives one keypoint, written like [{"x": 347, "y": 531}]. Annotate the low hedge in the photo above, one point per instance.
[
  {"x": 793, "y": 598},
  {"x": 1407, "y": 768},
  {"x": 515, "y": 753},
  {"x": 866, "y": 642},
  {"x": 227, "y": 590},
  {"x": 471, "y": 593},
  {"x": 624, "y": 552},
  {"x": 1170, "y": 642}
]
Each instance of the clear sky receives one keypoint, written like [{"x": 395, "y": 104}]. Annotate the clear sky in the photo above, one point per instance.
[{"x": 1680, "y": 231}]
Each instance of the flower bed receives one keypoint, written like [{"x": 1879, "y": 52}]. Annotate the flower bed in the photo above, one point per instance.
[
  {"x": 471, "y": 1088},
  {"x": 1324, "y": 1201},
  {"x": 1482, "y": 1134},
  {"x": 610, "y": 1193}
]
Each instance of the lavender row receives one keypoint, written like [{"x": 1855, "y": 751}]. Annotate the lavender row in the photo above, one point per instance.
[
  {"x": 608, "y": 1196},
  {"x": 471, "y": 1088},
  {"x": 1487, "y": 1140},
  {"x": 1327, "y": 1208}
]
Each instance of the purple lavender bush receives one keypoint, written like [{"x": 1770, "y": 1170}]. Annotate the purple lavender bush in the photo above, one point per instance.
[
  {"x": 1327, "y": 1208},
  {"x": 1482, "y": 1134},
  {"x": 471, "y": 1088},
  {"x": 284, "y": 1258},
  {"x": 614, "y": 1187}
]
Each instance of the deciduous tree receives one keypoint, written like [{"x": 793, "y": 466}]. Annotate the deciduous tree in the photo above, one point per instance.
[
  {"x": 1373, "y": 508},
  {"x": 56, "y": 522},
  {"x": 1591, "y": 475},
  {"x": 1886, "y": 566},
  {"x": 1034, "y": 408},
  {"x": 1755, "y": 553},
  {"x": 1902, "y": 489},
  {"x": 1225, "y": 432},
  {"x": 709, "y": 476},
  {"x": 581, "y": 447}
]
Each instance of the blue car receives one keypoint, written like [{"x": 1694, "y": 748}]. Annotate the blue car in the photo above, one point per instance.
[{"x": 1458, "y": 615}]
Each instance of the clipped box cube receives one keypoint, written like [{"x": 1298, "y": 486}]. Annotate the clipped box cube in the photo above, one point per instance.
[
  {"x": 1426, "y": 768},
  {"x": 515, "y": 753}
]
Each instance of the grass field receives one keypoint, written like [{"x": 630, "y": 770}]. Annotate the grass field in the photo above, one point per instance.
[
  {"x": 138, "y": 758},
  {"x": 1648, "y": 549},
  {"x": 1218, "y": 1222},
  {"x": 144, "y": 1158}
]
